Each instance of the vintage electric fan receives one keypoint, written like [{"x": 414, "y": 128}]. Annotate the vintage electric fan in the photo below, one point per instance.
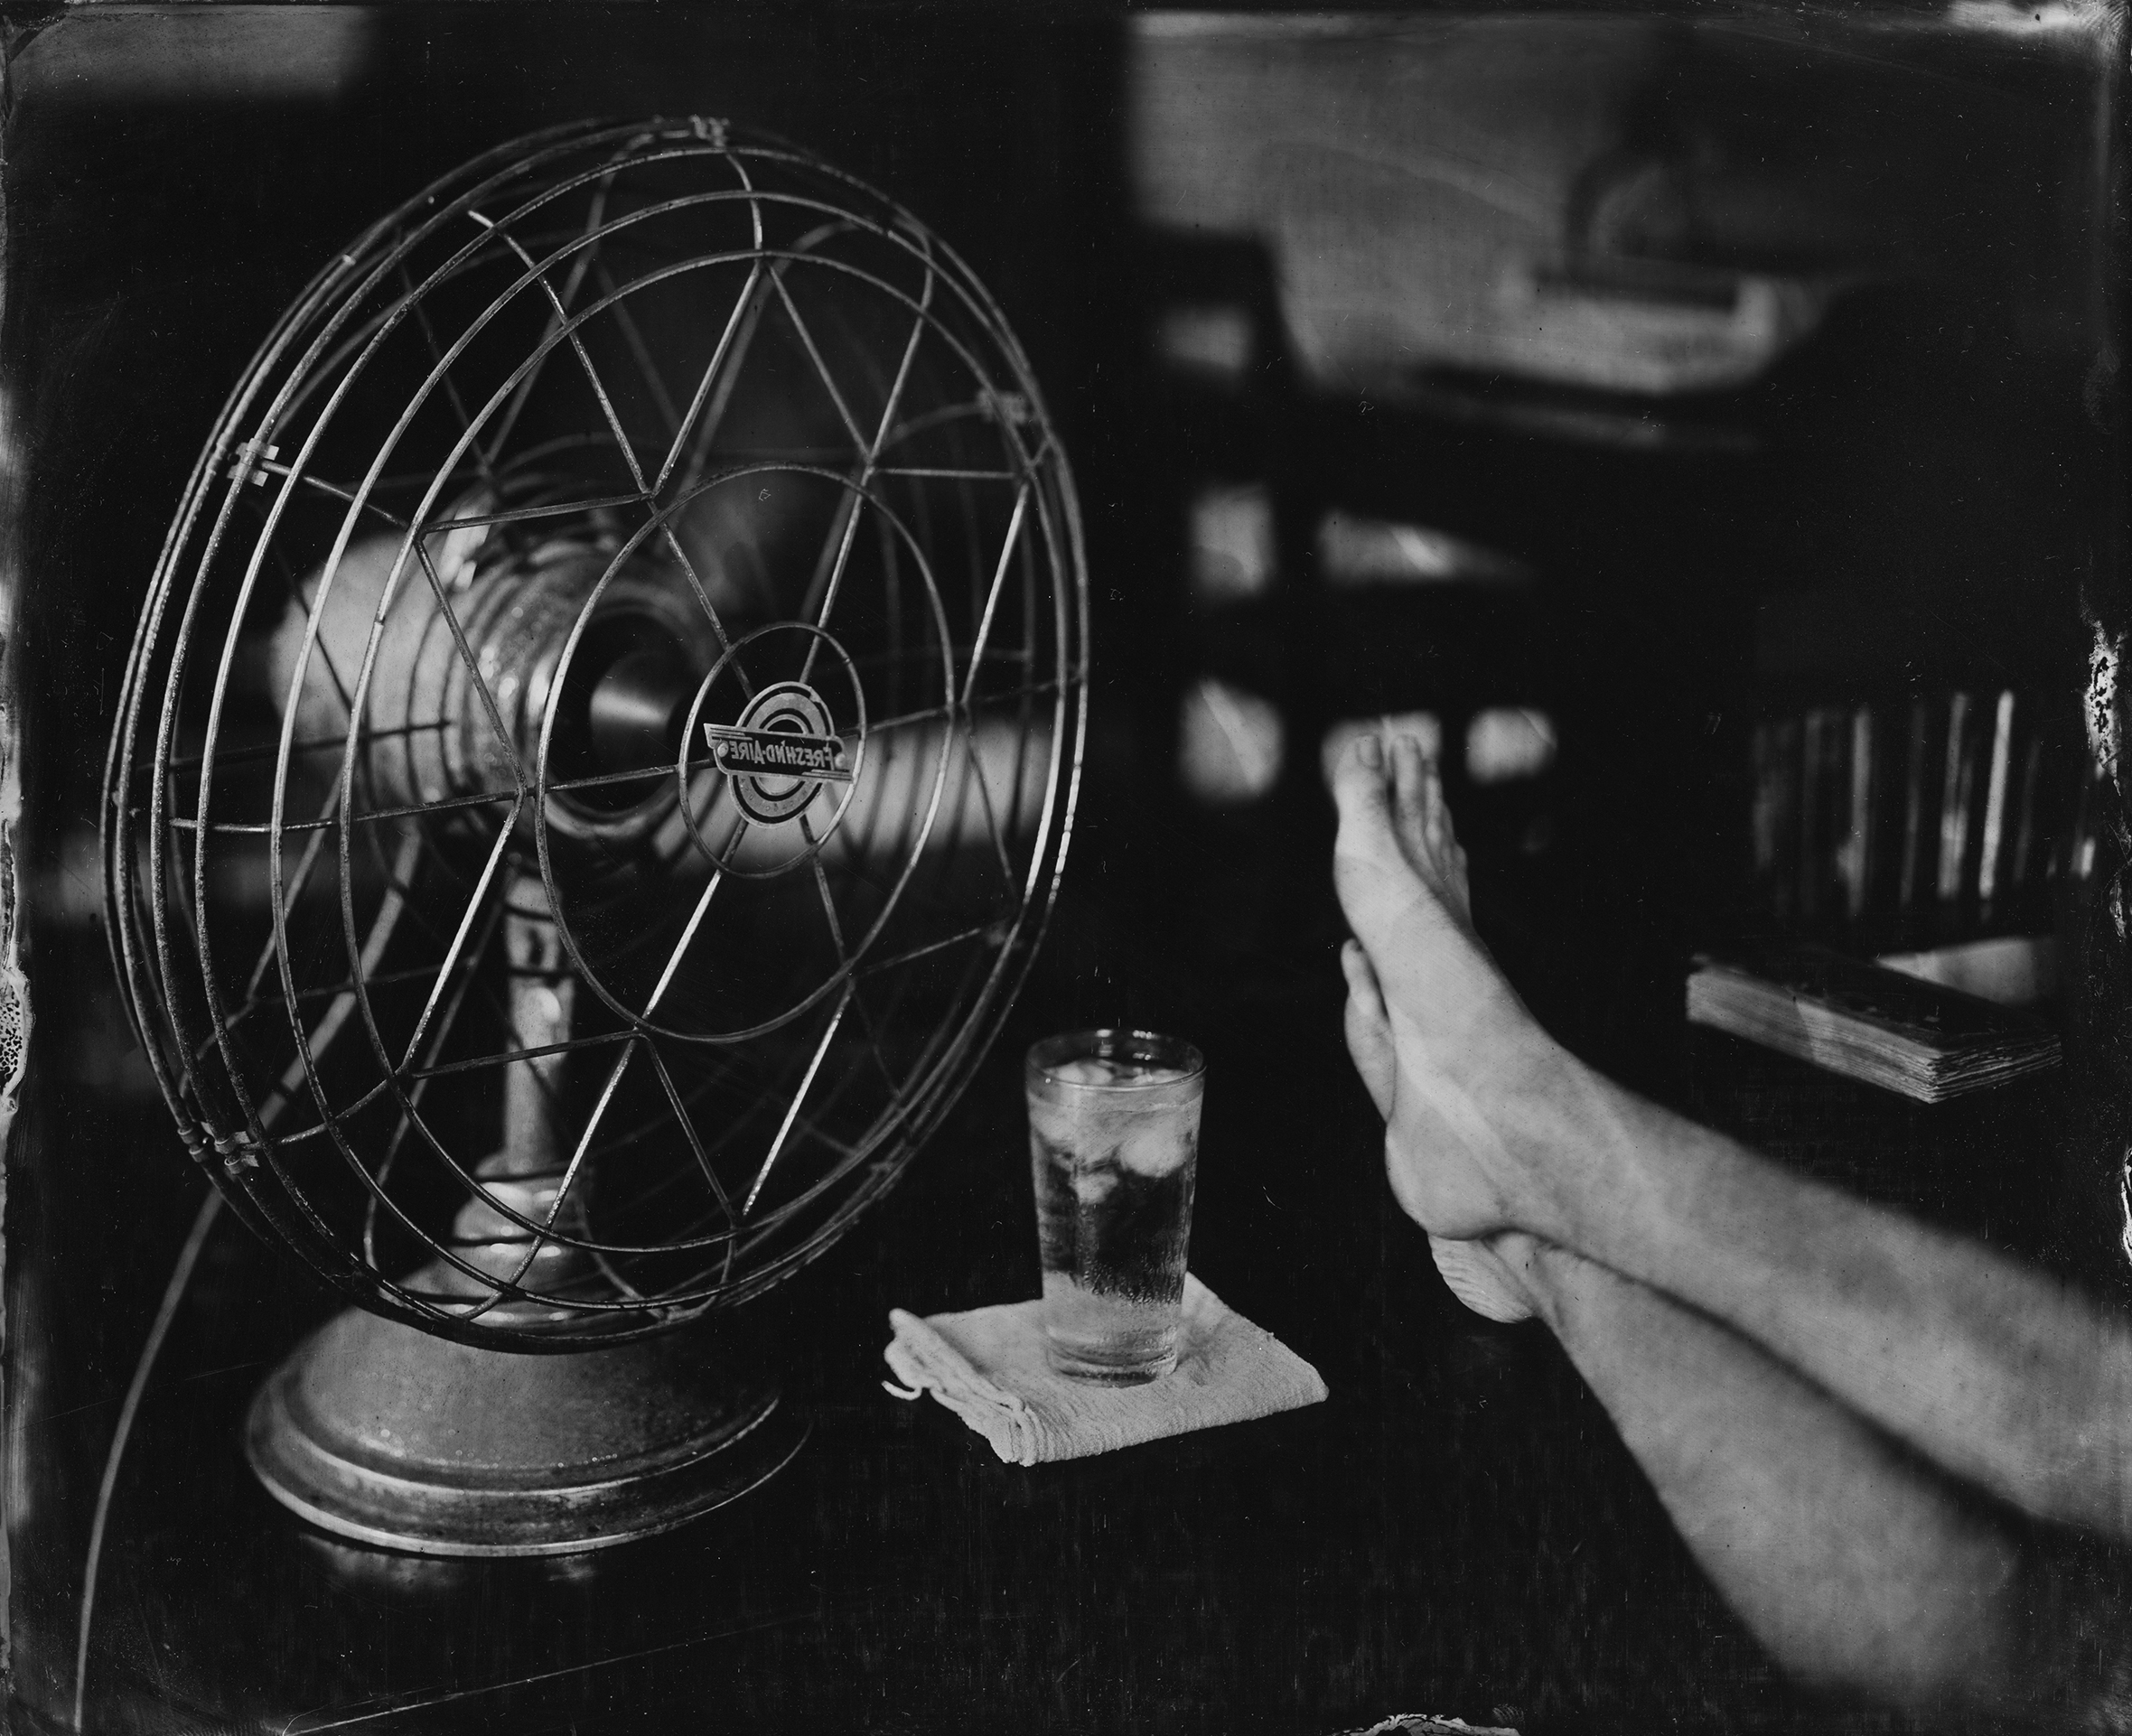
[{"x": 596, "y": 760}]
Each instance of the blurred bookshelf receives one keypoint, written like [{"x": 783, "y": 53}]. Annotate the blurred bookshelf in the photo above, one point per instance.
[{"x": 1916, "y": 825}]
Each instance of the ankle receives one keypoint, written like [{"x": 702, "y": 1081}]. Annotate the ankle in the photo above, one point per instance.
[{"x": 1549, "y": 1142}]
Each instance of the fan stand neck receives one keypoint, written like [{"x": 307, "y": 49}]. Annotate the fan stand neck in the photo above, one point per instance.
[
  {"x": 523, "y": 1180},
  {"x": 542, "y": 1001}
]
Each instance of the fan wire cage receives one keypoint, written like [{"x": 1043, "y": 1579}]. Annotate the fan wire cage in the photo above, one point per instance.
[{"x": 602, "y": 738}]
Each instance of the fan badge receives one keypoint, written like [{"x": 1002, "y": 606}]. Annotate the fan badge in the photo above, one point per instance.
[{"x": 780, "y": 750}]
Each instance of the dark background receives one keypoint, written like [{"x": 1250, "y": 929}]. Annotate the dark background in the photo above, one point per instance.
[{"x": 1906, "y": 503}]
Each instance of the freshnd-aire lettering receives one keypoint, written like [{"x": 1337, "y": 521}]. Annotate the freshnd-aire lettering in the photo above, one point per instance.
[{"x": 745, "y": 752}]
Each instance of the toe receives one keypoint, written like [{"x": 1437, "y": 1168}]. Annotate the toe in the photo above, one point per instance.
[
  {"x": 1438, "y": 834},
  {"x": 1435, "y": 813},
  {"x": 1361, "y": 981},
  {"x": 1457, "y": 887},
  {"x": 1362, "y": 791},
  {"x": 1412, "y": 776}
]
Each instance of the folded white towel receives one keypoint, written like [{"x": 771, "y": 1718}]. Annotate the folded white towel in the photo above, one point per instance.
[{"x": 989, "y": 1366}]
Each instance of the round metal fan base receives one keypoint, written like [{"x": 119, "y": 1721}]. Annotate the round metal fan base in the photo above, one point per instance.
[{"x": 386, "y": 1434}]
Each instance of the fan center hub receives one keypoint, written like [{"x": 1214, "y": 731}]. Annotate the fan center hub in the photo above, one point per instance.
[{"x": 783, "y": 747}]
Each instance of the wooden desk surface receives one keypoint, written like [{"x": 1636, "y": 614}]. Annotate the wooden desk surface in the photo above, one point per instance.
[{"x": 1457, "y": 1530}]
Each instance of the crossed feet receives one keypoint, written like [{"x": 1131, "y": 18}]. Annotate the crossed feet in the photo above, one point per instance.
[{"x": 1447, "y": 1051}]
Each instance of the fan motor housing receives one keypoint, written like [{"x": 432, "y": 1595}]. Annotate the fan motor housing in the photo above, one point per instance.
[{"x": 635, "y": 651}]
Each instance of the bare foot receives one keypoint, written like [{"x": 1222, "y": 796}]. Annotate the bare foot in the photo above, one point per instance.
[
  {"x": 1475, "y": 1273},
  {"x": 1467, "y": 1059}
]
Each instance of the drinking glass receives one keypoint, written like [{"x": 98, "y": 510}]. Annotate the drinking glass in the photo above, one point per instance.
[{"x": 1114, "y": 1119}]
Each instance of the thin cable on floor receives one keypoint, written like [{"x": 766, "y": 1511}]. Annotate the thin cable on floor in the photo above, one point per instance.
[{"x": 173, "y": 1293}]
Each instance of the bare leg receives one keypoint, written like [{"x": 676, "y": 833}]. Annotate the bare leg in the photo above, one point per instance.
[
  {"x": 1858, "y": 1566},
  {"x": 1856, "y": 1563},
  {"x": 1995, "y": 1373}
]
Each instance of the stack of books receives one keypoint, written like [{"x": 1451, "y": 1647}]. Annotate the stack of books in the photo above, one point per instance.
[{"x": 1925, "y": 1040}]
